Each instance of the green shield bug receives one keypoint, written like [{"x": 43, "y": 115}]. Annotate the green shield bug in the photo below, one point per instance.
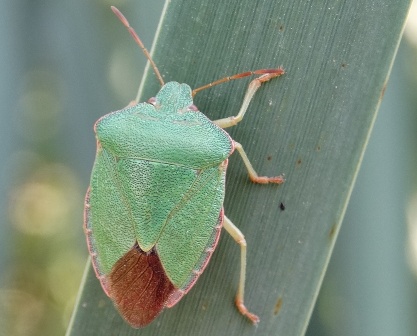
[{"x": 154, "y": 209}]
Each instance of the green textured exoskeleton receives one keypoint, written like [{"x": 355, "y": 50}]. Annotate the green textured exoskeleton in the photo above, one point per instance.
[{"x": 154, "y": 209}]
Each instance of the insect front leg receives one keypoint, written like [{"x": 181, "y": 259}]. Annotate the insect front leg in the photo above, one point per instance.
[
  {"x": 238, "y": 236},
  {"x": 252, "y": 88},
  {"x": 252, "y": 173}
]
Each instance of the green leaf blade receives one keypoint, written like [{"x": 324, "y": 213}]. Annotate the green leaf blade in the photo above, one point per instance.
[{"x": 312, "y": 124}]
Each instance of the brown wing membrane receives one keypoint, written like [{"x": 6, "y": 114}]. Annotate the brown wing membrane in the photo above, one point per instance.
[{"x": 139, "y": 287}]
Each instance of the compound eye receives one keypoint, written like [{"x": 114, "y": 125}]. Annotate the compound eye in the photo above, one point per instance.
[
  {"x": 152, "y": 101},
  {"x": 193, "y": 108}
]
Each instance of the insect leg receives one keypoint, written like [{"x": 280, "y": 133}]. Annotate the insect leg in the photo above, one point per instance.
[
  {"x": 252, "y": 173},
  {"x": 238, "y": 236},
  {"x": 252, "y": 88}
]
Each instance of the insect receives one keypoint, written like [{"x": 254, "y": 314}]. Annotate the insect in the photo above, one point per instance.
[{"x": 154, "y": 208}]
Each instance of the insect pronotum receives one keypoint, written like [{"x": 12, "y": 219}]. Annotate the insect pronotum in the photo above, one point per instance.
[{"x": 154, "y": 208}]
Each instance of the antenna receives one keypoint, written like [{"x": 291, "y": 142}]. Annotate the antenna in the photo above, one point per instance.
[
  {"x": 138, "y": 41},
  {"x": 271, "y": 73}
]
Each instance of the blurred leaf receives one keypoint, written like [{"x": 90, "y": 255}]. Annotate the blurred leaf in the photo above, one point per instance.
[{"x": 312, "y": 124}]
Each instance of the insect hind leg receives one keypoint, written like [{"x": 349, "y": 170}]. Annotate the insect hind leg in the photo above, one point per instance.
[{"x": 238, "y": 236}]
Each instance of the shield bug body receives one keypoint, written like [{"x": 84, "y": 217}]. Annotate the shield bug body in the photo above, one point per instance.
[{"x": 154, "y": 208}]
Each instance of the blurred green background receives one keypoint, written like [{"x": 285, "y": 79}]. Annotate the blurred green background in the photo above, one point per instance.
[{"x": 65, "y": 64}]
